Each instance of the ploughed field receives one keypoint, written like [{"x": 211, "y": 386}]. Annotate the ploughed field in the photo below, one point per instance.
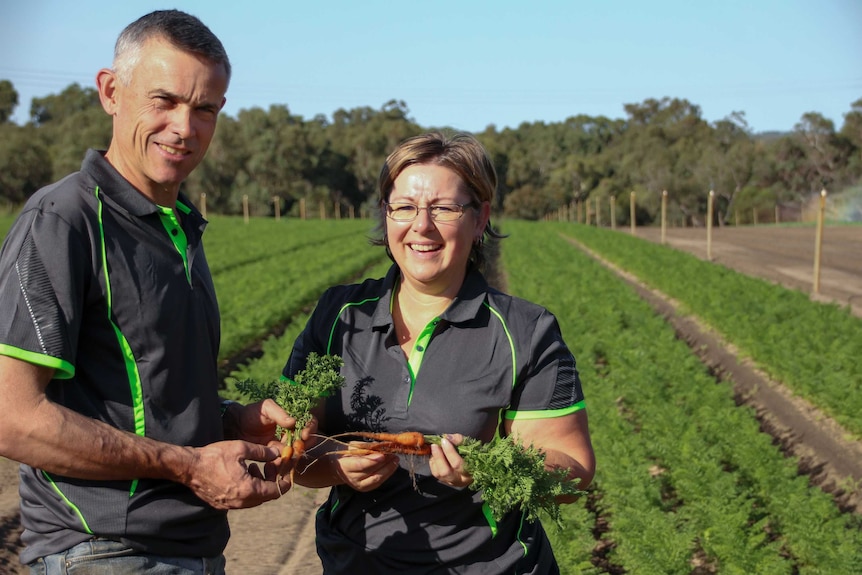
[{"x": 696, "y": 473}]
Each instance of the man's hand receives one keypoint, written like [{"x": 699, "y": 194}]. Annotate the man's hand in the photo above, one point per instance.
[{"x": 226, "y": 474}]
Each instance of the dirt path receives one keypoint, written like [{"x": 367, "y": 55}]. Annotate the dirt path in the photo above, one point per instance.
[{"x": 783, "y": 255}]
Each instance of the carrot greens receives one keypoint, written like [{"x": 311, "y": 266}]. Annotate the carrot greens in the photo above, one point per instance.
[
  {"x": 511, "y": 476},
  {"x": 320, "y": 379}
]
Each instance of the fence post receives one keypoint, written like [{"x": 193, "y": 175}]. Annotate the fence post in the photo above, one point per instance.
[
  {"x": 818, "y": 245},
  {"x": 613, "y": 212},
  {"x": 302, "y": 208},
  {"x": 709, "y": 203},
  {"x": 277, "y": 207},
  {"x": 245, "y": 208},
  {"x": 632, "y": 212},
  {"x": 204, "y": 204},
  {"x": 598, "y": 213},
  {"x": 663, "y": 217}
]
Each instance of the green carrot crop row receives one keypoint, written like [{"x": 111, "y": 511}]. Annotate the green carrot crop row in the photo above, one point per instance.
[
  {"x": 287, "y": 266},
  {"x": 813, "y": 348},
  {"x": 685, "y": 478}
]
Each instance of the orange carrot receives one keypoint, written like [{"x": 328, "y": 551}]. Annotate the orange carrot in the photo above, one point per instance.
[
  {"x": 405, "y": 439},
  {"x": 287, "y": 452},
  {"x": 298, "y": 448}
]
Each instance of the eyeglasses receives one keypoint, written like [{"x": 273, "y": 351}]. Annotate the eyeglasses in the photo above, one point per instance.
[{"x": 403, "y": 212}]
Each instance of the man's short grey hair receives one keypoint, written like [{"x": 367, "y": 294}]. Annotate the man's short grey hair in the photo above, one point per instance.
[{"x": 182, "y": 30}]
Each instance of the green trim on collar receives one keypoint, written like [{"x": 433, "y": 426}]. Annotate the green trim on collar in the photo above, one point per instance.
[
  {"x": 418, "y": 352},
  {"x": 175, "y": 231}
]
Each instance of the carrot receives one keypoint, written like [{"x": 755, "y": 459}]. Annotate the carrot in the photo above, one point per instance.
[
  {"x": 406, "y": 439},
  {"x": 287, "y": 452},
  {"x": 298, "y": 448},
  {"x": 371, "y": 447}
]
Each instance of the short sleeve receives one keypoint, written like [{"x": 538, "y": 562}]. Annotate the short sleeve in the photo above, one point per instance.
[
  {"x": 41, "y": 291},
  {"x": 548, "y": 385}
]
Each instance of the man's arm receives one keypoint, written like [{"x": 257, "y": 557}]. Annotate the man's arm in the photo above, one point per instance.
[{"x": 48, "y": 436}]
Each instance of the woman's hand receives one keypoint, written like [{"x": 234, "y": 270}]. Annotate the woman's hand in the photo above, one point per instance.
[
  {"x": 364, "y": 472},
  {"x": 446, "y": 463}
]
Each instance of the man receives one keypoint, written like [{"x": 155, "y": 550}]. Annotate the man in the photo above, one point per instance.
[{"x": 109, "y": 335}]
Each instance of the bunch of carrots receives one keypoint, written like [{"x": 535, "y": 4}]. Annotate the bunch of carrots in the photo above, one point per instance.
[{"x": 509, "y": 475}]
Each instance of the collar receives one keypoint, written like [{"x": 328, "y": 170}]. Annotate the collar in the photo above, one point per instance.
[
  {"x": 465, "y": 307},
  {"x": 125, "y": 195}
]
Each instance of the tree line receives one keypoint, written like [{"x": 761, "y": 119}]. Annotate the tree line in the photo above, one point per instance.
[{"x": 273, "y": 156}]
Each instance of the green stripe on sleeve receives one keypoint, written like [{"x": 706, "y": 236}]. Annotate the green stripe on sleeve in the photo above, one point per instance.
[
  {"x": 545, "y": 413},
  {"x": 62, "y": 369}
]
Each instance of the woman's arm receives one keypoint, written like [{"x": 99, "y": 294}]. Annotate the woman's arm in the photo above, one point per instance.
[{"x": 564, "y": 440}]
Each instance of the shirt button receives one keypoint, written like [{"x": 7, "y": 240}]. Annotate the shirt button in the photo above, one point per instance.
[
  {"x": 420, "y": 348},
  {"x": 174, "y": 232}
]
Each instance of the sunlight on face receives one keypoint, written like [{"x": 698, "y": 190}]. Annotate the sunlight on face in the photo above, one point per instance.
[
  {"x": 165, "y": 118},
  {"x": 432, "y": 255}
]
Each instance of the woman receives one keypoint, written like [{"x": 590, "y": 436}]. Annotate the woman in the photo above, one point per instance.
[{"x": 432, "y": 348}]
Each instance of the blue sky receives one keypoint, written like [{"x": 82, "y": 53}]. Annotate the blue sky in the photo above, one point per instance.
[{"x": 468, "y": 64}]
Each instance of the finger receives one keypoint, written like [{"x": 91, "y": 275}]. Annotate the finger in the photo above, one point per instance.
[
  {"x": 272, "y": 411},
  {"x": 254, "y": 470},
  {"x": 257, "y": 452}
]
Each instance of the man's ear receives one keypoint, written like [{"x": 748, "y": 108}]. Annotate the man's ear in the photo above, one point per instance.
[{"x": 107, "y": 84}]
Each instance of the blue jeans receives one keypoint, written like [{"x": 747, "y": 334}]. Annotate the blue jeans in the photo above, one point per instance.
[{"x": 104, "y": 557}]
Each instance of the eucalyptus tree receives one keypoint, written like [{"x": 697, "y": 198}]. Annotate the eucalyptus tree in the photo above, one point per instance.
[
  {"x": 823, "y": 149},
  {"x": 25, "y": 164},
  {"x": 366, "y": 136},
  {"x": 8, "y": 100},
  {"x": 726, "y": 164}
]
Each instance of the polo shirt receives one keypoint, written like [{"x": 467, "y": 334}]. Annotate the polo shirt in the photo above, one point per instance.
[
  {"x": 115, "y": 294},
  {"x": 488, "y": 356}
]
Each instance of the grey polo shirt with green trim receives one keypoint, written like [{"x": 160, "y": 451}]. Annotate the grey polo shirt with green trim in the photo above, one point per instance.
[
  {"x": 488, "y": 356},
  {"x": 115, "y": 294}
]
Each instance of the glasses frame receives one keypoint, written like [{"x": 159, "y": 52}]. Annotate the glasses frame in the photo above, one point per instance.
[{"x": 461, "y": 207}]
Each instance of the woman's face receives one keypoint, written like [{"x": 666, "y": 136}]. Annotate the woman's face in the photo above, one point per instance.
[{"x": 433, "y": 255}]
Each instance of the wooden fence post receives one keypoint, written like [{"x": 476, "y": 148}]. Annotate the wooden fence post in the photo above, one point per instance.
[
  {"x": 598, "y": 213},
  {"x": 818, "y": 244},
  {"x": 204, "y": 204},
  {"x": 245, "y": 208},
  {"x": 632, "y": 212},
  {"x": 664, "y": 217},
  {"x": 709, "y": 203},
  {"x": 277, "y": 207},
  {"x": 613, "y": 212}
]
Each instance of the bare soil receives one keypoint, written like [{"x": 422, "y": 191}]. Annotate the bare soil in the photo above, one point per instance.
[{"x": 277, "y": 538}]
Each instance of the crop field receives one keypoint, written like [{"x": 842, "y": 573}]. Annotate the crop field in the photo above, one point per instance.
[{"x": 687, "y": 481}]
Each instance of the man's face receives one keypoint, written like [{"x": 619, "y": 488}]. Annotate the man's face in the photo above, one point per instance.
[{"x": 164, "y": 119}]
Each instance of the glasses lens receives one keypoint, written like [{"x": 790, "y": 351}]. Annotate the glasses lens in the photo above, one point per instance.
[
  {"x": 446, "y": 213},
  {"x": 402, "y": 212}
]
